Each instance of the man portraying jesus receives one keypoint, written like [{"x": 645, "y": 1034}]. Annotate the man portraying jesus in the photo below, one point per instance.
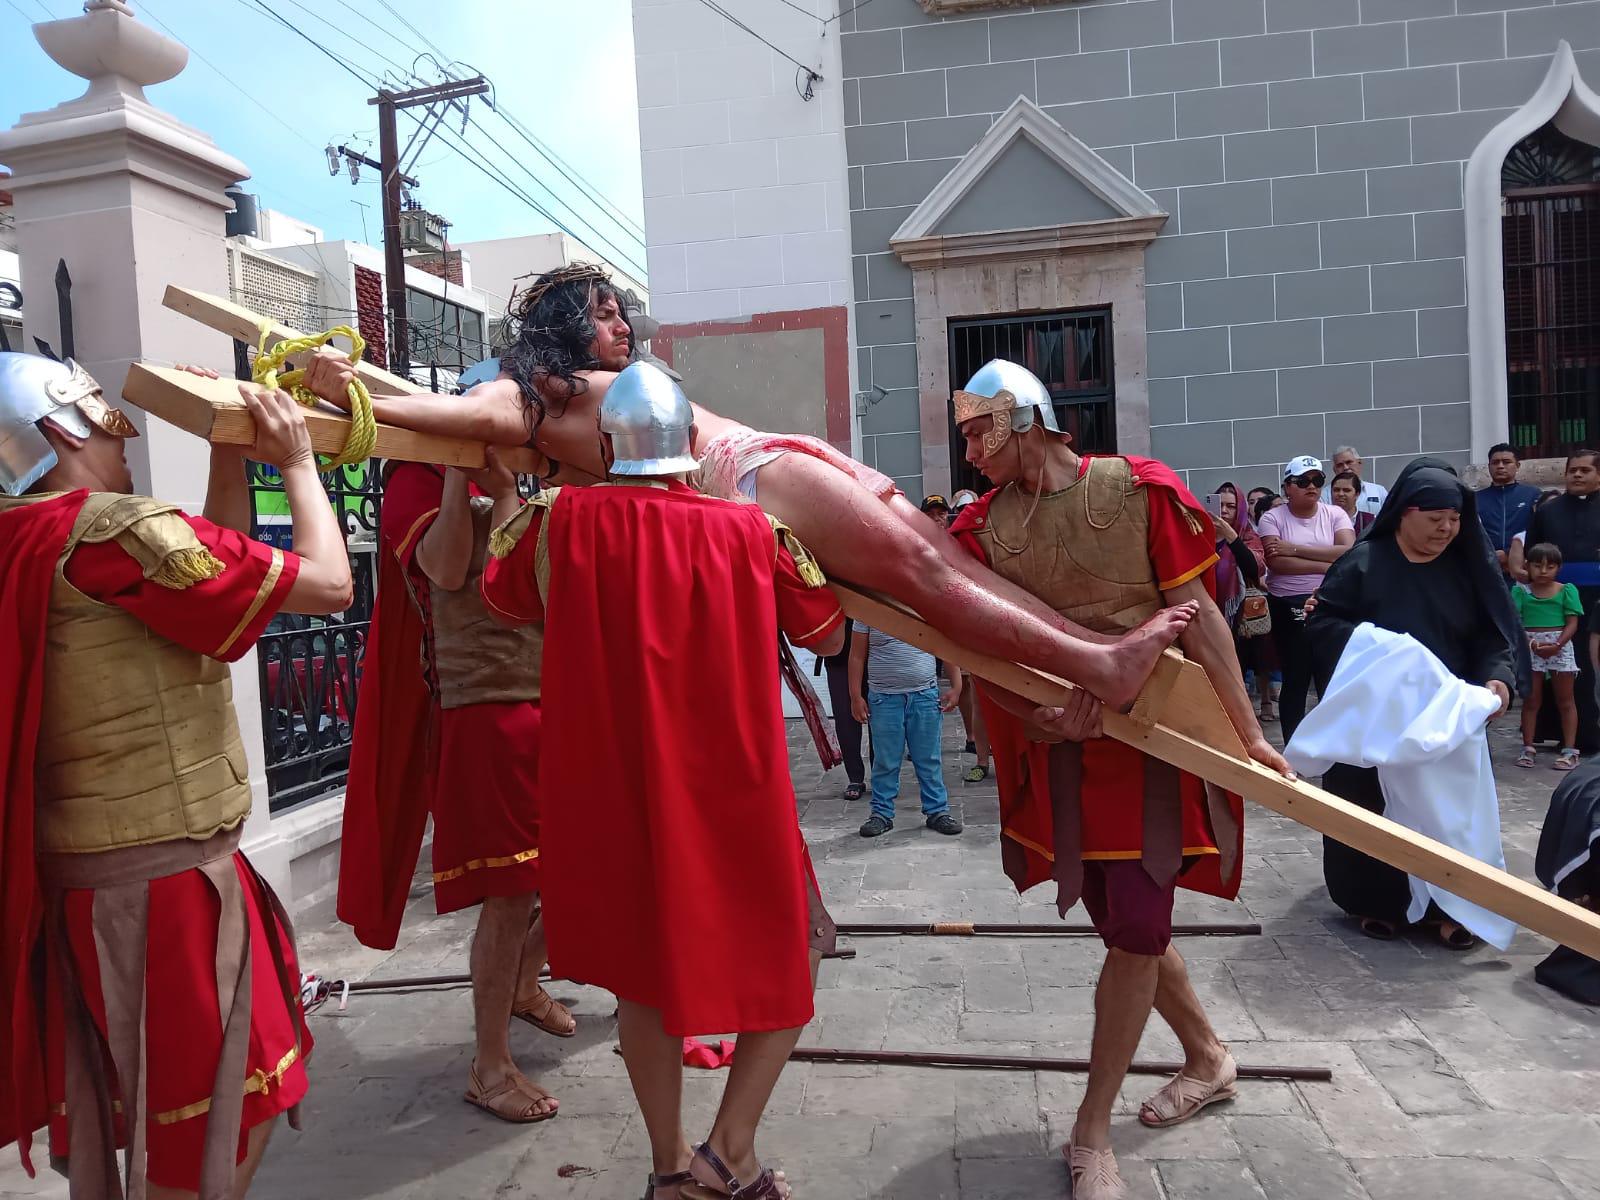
[{"x": 573, "y": 336}]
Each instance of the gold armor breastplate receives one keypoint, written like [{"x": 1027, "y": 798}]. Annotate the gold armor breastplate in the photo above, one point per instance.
[
  {"x": 480, "y": 661},
  {"x": 1085, "y": 552},
  {"x": 138, "y": 742}
]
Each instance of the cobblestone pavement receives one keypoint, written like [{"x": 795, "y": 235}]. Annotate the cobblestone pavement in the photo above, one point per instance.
[{"x": 1455, "y": 1075}]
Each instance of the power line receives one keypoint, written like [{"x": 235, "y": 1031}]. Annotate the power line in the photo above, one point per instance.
[
  {"x": 626, "y": 223},
  {"x": 551, "y": 191},
  {"x": 18, "y": 9},
  {"x": 227, "y": 78},
  {"x": 404, "y": 20},
  {"x": 738, "y": 24},
  {"x": 848, "y": 11},
  {"x": 467, "y": 150},
  {"x": 576, "y": 180},
  {"x": 381, "y": 28},
  {"x": 405, "y": 72}
]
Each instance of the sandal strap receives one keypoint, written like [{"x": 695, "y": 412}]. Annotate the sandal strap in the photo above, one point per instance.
[
  {"x": 714, "y": 1161},
  {"x": 762, "y": 1187},
  {"x": 1093, "y": 1167}
]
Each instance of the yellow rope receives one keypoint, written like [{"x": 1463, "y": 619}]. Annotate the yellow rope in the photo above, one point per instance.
[{"x": 363, "y": 425}]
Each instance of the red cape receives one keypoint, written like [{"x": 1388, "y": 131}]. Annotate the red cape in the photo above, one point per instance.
[
  {"x": 393, "y": 755},
  {"x": 674, "y": 869},
  {"x": 31, "y": 540}
]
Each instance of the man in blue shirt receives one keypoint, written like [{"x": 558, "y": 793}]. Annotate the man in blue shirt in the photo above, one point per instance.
[{"x": 1505, "y": 505}]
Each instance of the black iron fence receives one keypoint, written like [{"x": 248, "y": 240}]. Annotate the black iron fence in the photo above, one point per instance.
[{"x": 310, "y": 667}]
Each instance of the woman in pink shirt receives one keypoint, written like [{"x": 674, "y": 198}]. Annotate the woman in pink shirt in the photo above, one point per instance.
[{"x": 1302, "y": 538}]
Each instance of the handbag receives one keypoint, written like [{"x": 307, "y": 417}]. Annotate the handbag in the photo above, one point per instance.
[{"x": 1255, "y": 620}]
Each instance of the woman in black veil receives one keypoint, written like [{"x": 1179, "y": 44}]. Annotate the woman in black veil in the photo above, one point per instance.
[{"x": 1424, "y": 568}]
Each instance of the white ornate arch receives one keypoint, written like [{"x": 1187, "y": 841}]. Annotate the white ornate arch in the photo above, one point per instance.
[{"x": 1574, "y": 107}]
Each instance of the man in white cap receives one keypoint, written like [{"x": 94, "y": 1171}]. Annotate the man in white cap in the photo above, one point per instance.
[{"x": 675, "y": 874}]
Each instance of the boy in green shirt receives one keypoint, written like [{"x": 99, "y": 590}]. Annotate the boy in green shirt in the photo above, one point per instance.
[{"x": 1550, "y": 613}]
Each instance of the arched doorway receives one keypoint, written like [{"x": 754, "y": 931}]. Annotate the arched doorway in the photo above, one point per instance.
[{"x": 1550, "y": 231}]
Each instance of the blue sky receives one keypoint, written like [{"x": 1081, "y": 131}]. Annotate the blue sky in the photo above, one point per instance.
[{"x": 563, "y": 70}]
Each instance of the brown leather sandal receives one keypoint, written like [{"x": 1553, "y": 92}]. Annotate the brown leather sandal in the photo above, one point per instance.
[
  {"x": 769, "y": 1185},
  {"x": 515, "y": 1099},
  {"x": 548, "y": 1014},
  {"x": 673, "y": 1179}
]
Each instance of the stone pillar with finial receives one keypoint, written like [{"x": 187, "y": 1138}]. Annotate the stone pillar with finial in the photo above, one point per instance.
[{"x": 131, "y": 199}]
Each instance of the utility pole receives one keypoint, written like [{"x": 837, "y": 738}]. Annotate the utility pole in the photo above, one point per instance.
[{"x": 394, "y": 255}]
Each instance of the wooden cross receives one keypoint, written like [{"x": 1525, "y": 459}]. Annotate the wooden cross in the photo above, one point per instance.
[{"x": 1177, "y": 718}]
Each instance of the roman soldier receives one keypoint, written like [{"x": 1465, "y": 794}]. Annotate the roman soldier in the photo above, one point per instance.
[
  {"x": 1106, "y": 541},
  {"x": 666, "y": 771},
  {"x": 449, "y": 727},
  {"x": 149, "y": 992}
]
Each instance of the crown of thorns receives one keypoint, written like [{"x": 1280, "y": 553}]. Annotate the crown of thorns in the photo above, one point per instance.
[{"x": 577, "y": 272}]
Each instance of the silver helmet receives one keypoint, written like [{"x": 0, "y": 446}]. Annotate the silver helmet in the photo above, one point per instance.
[
  {"x": 1012, "y": 395},
  {"x": 33, "y": 388},
  {"x": 650, "y": 421}
]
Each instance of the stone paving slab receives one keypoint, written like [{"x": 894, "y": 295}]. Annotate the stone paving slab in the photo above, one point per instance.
[{"x": 1454, "y": 1074}]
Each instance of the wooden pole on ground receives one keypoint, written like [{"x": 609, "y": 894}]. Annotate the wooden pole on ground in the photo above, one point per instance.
[
  {"x": 1012, "y": 1062},
  {"x": 1044, "y": 930},
  {"x": 1191, "y": 731}
]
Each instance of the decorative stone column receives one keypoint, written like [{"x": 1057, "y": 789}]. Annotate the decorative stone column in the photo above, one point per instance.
[{"x": 132, "y": 199}]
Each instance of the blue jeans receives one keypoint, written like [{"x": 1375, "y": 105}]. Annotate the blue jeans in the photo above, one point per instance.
[{"x": 906, "y": 723}]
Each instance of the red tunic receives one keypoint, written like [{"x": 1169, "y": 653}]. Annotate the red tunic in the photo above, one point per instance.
[
  {"x": 1116, "y": 777},
  {"x": 675, "y": 874},
  {"x": 222, "y": 618},
  {"x": 482, "y": 776}
]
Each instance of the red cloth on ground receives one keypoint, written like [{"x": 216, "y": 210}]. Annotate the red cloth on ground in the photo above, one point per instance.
[
  {"x": 1112, "y": 788},
  {"x": 707, "y": 1056},
  {"x": 673, "y": 865},
  {"x": 485, "y": 809},
  {"x": 393, "y": 757},
  {"x": 31, "y": 538},
  {"x": 183, "y": 1024}
]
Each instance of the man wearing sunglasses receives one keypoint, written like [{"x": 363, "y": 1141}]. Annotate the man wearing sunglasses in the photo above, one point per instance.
[{"x": 1302, "y": 538}]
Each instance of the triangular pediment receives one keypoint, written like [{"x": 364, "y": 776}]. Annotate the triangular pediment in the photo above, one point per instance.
[{"x": 1027, "y": 172}]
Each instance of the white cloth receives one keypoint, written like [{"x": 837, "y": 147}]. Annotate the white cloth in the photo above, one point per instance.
[{"x": 1392, "y": 705}]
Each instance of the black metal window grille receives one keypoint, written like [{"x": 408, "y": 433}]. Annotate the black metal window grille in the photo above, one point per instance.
[
  {"x": 1070, "y": 352},
  {"x": 1550, "y": 223},
  {"x": 310, "y": 667}
]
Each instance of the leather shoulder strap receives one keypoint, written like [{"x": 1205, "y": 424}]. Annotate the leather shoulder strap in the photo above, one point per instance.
[{"x": 1107, "y": 486}]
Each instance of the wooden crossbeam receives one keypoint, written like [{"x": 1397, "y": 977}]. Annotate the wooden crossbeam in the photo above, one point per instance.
[
  {"x": 244, "y": 325},
  {"x": 213, "y": 409},
  {"x": 1186, "y": 734}
]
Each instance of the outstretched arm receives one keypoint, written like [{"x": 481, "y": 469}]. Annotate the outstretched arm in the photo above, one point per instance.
[{"x": 490, "y": 413}]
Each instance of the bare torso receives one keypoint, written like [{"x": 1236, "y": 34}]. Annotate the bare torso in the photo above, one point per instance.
[{"x": 569, "y": 433}]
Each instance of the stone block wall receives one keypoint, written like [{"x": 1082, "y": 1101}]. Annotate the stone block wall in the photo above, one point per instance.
[{"x": 1309, "y": 289}]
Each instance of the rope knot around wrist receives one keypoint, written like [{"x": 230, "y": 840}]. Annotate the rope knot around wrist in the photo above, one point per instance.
[{"x": 269, "y": 363}]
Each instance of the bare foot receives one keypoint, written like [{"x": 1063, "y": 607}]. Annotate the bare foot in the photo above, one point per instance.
[{"x": 1136, "y": 655}]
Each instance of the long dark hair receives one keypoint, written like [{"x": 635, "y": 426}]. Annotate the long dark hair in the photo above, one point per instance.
[{"x": 555, "y": 338}]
